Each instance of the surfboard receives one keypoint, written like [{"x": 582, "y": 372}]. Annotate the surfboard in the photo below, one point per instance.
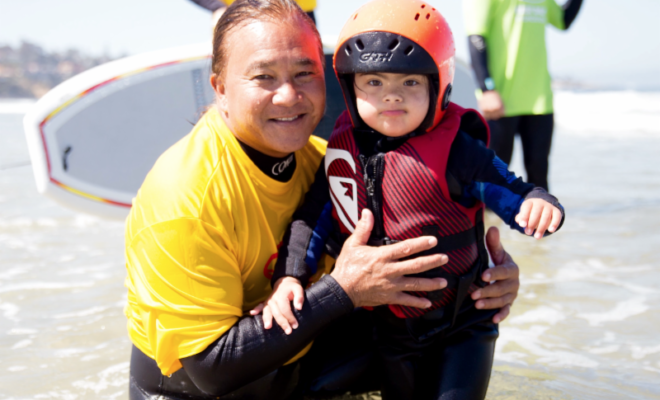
[{"x": 93, "y": 138}]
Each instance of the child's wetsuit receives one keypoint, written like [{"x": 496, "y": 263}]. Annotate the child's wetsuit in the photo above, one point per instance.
[{"x": 432, "y": 183}]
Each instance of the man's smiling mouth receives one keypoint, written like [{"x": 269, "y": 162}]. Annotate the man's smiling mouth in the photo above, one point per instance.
[{"x": 288, "y": 119}]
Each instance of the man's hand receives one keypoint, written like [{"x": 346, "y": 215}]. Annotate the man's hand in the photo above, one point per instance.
[
  {"x": 491, "y": 105},
  {"x": 373, "y": 276},
  {"x": 504, "y": 291}
]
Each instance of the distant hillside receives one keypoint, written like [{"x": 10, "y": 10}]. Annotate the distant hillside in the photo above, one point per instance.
[{"x": 30, "y": 71}]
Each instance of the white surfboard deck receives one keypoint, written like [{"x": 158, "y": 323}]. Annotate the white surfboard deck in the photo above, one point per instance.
[{"x": 94, "y": 138}]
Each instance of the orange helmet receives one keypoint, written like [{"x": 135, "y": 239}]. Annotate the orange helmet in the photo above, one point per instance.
[{"x": 399, "y": 36}]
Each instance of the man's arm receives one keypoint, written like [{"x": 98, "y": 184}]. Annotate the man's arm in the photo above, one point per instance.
[
  {"x": 571, "y": 9},
  {"x": 479, "y": 58},
  {"x": 490, "y": 102},
  {"x": 247, "y": 351},
  {"x": 478, "y": 19},
  {"x": 211, "y": 5},
  {"x": 563, "y": 17}
]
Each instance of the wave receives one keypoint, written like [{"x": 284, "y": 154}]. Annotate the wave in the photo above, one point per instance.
[{"x": 609, "y": 113}]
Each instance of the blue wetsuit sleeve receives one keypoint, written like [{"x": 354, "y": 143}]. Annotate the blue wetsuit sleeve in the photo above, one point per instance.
[
  {"x": 306, "y": 238},
  {"x": 500, "y": 198},
  {"x": 482, "y": 176}
]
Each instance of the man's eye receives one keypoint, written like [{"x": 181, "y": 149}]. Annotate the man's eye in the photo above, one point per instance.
[
  {"x": 304, "y": 73},
  {"x": 262, "y": 77}
]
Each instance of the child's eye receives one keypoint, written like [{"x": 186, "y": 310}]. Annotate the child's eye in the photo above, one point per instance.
[
  {"x": 410, "y": 82},
  {"x": 374, "y": 82}
]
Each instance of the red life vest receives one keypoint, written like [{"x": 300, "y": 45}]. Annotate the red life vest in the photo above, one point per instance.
[{"x": 407, "y": 191}]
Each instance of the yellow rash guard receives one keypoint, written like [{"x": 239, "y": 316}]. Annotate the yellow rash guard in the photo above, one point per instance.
[{"x": 201, "y": 240}]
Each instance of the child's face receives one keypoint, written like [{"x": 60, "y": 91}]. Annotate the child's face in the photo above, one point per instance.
[{"x": 392, "y": 104}]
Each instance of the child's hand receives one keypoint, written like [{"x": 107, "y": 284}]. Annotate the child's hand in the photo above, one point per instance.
[
  {"x": 278, "y": 305},
  {"x": 539, "y": 215}
]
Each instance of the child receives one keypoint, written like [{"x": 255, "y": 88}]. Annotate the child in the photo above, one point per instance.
[{"x": 421, "y": 165}]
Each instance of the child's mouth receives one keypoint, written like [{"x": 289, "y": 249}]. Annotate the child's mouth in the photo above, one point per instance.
[{"x": 393, "y": 113}]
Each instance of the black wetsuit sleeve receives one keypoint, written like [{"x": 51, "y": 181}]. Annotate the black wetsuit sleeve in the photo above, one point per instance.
[
  {"x": 479, "y": 57},
  {"x": 247, "y": 351},
  {"x": 210, "y": 5},
  {"x": 306, "y": 237},
  {"x": 474, "y": 173},
  {"x": 571, "y": 9}
]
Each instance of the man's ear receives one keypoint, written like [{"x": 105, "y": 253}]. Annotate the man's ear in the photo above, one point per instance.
[{"x": 220, "y": 95}]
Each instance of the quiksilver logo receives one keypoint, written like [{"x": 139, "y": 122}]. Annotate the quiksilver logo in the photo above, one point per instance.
[
  {"x": 281, "y": 166},
  {"x": 343, "y": 189},
  {"x": 376, "y": 56}
]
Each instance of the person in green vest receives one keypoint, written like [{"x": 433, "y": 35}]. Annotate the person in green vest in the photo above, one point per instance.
[{"x": 507, "y": 47}]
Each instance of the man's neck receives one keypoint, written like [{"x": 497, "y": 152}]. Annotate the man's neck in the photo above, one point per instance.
[{"x": 280, "y": 169}]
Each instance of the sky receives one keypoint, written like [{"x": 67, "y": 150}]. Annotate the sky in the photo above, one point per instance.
[{"x": 613, "y": 43}]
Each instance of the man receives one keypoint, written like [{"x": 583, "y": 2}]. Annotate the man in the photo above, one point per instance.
[
  {"x": 509, "y": 58},
  {"x": 202, "y": 236}
]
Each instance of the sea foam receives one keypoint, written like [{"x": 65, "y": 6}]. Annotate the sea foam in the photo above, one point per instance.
[{"x": 612, "y": 114}]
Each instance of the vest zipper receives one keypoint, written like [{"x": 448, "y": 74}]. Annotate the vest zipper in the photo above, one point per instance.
[{"x": 374, "y": 168}]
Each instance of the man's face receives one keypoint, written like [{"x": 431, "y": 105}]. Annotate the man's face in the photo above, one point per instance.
[{"x": 272, "y": 91}]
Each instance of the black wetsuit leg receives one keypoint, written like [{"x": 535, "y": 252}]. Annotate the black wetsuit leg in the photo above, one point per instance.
[
  {"x": 455, "y": 364},
  {"x": 399, "y": 354},
  {"x": 502, "y": 133},
  {"x": 459, "y": 367},
  {"x": 342, "y": 359},
  {"x": 352, "y": 357},
  {"x": 536, "y": 136},
  {"x": 146, "y": 382}
]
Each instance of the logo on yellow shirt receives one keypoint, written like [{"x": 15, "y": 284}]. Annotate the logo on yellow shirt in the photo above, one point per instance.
[{"x": 269, "y": 268}]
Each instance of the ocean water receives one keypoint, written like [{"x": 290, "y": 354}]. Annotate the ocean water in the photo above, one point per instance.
[{"x": 585, "y": 324}]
